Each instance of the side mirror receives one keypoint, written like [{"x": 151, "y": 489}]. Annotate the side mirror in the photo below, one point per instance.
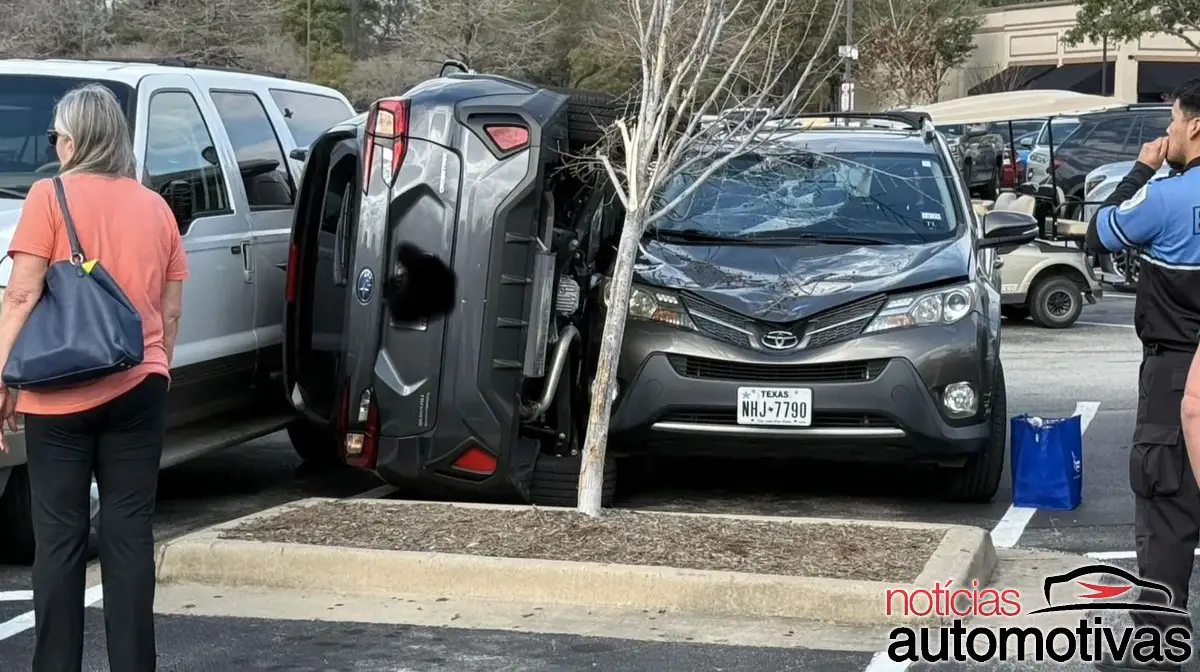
[
  {"x": 209, "y": 154},
  {"x": 1008, "y": 229},
  {"x": 1025, "y": 142},
  {"x": 299, "y": 154},
  {"x": 178, "y": 195}
]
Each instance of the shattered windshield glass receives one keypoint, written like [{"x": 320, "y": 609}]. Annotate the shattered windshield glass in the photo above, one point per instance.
[{"x": 895, "y": 197}]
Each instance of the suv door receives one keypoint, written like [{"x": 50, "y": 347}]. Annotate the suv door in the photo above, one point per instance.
[
  {"x": 270, "y": 191},
  {"x": 181, "y": 159}
]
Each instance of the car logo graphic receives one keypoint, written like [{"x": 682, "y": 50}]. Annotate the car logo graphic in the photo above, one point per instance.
[
  {"x": 780, "y": 340},
  {"x": 365, "y": 286},
  {"x": 1102, "y": 592}
]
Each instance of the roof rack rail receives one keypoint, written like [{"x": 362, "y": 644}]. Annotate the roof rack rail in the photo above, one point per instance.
[
  {"x": 914, "y": 120},
  {"x": 175, "y": 62}
]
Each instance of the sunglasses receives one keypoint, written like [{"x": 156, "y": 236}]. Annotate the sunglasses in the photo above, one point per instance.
[{"x": 52, "y": 136}]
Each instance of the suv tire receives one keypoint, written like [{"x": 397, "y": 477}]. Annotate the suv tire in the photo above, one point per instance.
[
  {"x": 556, "y": 480},
  {"x": 16, "y": 518},
  {"x": 315, "y": 445},
  {"x": 1055, "y": 302},
  {"x": 979, "y": 478}
]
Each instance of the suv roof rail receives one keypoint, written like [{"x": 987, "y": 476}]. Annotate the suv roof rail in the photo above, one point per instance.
[
  {"x": 913, "y": 120},
  {"x": 175, "y": 62}
]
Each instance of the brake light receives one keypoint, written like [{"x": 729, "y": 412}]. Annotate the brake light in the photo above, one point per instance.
[
  {"x": 476, "y": 460},
  {"x": 508, "y": 138},
  {"x": 293, "y": 272},
  {"x": 387, "y": 128}
]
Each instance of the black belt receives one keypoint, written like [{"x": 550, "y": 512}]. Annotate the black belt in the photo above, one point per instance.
[{"x": 1154, "y": 349}]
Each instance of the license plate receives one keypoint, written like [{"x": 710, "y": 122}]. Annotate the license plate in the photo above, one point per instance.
[{"x": 788, "y": 406}]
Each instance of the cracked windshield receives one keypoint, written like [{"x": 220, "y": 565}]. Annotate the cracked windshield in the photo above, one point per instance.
[
  {"x": 26, "y": 114},
  {"x": 856, "y": 197}
]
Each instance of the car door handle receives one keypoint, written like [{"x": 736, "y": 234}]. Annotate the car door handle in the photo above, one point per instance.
[{"x": 247, "y": 263}]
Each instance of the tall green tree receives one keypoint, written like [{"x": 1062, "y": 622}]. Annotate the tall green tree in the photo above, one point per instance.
[{"x": 1125, "y": 20}]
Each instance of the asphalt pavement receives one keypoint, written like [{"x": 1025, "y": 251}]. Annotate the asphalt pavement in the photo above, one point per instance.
[{"x": 1090, "y": 369}]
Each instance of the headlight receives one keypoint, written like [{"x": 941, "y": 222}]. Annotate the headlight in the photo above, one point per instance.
[
  {"x": 945, "y": 306},
  {"x": 1091, "y": 184},
  {"x": 646, "y": 303}
]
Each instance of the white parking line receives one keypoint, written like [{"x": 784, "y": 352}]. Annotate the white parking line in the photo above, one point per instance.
[
  {"x": 1006, "y": 534},
  {"x": 1118, "y": 555},
  {"x": 19, "y": 624},
  {"x": 1105, "y": 324},
  {"x": 16, "y": 596}
]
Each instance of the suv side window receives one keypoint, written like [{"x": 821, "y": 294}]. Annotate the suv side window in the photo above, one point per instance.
[
  {"x": 1107, "y": 136},
  {"x": 180, "y": 148},
  {"x": 260, "y": 157},
  {"x": 308, "y": 114},
  {"x": 1154, "y": 126}
]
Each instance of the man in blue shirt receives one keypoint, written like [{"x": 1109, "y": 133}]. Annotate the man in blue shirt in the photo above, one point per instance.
[{"x": 1160, "y": 222}]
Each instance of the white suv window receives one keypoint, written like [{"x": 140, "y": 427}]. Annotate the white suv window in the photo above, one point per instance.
[{"x": 180, "y": 148}]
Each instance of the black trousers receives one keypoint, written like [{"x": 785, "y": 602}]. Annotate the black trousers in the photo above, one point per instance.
[
  {"x": 121, "y": 442},
  {"x": 1166, "y": 497}
]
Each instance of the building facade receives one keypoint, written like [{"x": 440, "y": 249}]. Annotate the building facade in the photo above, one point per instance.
[{"x": 1020, "y": 47}]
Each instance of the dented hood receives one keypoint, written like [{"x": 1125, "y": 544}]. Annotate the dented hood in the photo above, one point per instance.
[{"x": 790, "y": 282}]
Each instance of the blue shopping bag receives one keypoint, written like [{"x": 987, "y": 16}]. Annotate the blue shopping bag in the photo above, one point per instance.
[{"x": 1047, "y": 462}]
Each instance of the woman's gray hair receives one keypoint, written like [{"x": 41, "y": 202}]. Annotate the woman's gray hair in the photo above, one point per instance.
[{"x": 93, "y": 119}]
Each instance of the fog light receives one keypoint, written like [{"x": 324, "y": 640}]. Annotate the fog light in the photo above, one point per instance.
[
  {"x": 960, "y": 399},
  {"x": 354, "y": 444}
]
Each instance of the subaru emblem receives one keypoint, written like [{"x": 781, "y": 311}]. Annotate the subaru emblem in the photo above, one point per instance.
[
  {"x": 366, "y": 286},
  {"x": 780, "y": 340}
]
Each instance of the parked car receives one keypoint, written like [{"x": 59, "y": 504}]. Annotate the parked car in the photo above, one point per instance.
[
  {"x": 978, "y": 152},
  {"x": 743, "y": 327},
  {"x": 215, "y": 144},
  {"x": 1118, "y": 268},
  {"x": 1101, "y": 138},
  {"x": 1038, "y": 156}
]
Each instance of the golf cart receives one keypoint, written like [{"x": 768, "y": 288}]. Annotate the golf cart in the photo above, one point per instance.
[{"x": 1048, "y": 279}]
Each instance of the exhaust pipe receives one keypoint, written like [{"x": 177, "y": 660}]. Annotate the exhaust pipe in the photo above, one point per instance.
[{"x": 565, "y": 338}]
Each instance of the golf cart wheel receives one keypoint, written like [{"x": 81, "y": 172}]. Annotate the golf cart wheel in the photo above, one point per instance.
[
  {"x": 1055, "y": 302},
  {"x": 979, "y": 478},
  {"x": 16, "y": 519},
  {"x": 556, "y": 481}
]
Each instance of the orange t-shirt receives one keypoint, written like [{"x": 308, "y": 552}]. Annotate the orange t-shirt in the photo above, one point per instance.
[{"x": 132, "y": 232}]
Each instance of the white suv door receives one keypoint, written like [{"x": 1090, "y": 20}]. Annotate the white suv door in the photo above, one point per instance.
[{"x": 183, "y": 157}]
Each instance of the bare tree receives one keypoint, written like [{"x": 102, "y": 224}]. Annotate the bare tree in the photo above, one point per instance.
[
  {"x": 995, "y": 78},
  {"x": 912, "y": 46},
  {"x": 503, "y": 36},
  {"x": 703, "y": 64},
  {"x": 53, "y": 28},
  {"x": 217, "y": 32}
]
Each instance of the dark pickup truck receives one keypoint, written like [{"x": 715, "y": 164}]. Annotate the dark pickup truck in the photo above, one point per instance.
[{"x": 978, "y": 149}]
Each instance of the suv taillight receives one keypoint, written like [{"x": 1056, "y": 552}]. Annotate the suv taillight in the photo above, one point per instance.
[{"x": 387, "y": 129}]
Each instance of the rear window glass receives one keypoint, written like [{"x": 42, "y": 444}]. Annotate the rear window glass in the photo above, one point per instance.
[
  {"x": 26, "y": 113},
  {"x": 308, "y": 114},
  {"x": 1062, "y": 129}
]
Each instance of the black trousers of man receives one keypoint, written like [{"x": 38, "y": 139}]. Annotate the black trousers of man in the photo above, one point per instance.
[
  {"x": 1167, "y": 499},
  {"x": 121, "y": 442}
]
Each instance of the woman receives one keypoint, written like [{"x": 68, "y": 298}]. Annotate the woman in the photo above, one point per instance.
[{"x": 113, "y": 427}]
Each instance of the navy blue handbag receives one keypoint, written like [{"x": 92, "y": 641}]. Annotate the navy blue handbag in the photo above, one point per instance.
[
  {"x": 1047, "y": 462},
  {"x": 83, "y": 327}
]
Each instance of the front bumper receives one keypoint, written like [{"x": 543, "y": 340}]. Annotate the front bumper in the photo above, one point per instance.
[{"x": 870, "y": 400}]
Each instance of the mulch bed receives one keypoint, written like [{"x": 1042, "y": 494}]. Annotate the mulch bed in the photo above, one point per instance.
[{"x": 619, "y": 537}]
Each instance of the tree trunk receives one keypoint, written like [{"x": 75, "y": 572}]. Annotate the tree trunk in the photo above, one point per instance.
[{"x": 591, "y": 475}]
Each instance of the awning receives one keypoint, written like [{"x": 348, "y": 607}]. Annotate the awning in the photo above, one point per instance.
[
  {"x": 1012, "y": 78},
  {"x": 1164, "y": 77},
  {"x": 1080, "y": 77}
]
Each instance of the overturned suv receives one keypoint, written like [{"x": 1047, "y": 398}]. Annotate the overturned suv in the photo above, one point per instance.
[{"x": 829, "y": 293}]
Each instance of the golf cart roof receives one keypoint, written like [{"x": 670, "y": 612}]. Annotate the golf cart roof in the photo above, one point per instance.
[{"x": 1016, "y": 105}]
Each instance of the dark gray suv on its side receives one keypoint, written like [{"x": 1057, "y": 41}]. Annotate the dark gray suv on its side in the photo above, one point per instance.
[
  {"x": 828, "y": 294},
  {"x": 833, "y": 290}
]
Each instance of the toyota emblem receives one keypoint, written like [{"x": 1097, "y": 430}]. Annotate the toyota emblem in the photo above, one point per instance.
[{"x": 780, "y": 340}]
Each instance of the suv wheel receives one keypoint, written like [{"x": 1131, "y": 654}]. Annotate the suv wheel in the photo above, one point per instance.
[
  {"x": 314, "y": 445},
  {"x": 1055, "y": 302},
  {"x": 556, "y": 480},
  {"x": 979, "y": 478},
  {"x": 16, "y": 518}
]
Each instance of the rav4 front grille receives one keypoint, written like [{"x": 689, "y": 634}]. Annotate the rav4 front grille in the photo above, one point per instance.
[
  {"x": 717, "y": 369},
  {"x": 820, "y": 420},
  {"x": 834, "y": 326}
]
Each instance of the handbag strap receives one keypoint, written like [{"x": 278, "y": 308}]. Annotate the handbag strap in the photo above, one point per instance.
[{"x": 76, "y": 250}]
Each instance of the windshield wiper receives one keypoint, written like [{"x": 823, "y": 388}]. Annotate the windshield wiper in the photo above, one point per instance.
[
  {"x": 693, "y": 236},
  {"x": 825, "y": 238},
  {"x": 11, "y": 193}
]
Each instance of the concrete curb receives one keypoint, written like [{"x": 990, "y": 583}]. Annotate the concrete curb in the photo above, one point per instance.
[{"x": 965, "y": 554}]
